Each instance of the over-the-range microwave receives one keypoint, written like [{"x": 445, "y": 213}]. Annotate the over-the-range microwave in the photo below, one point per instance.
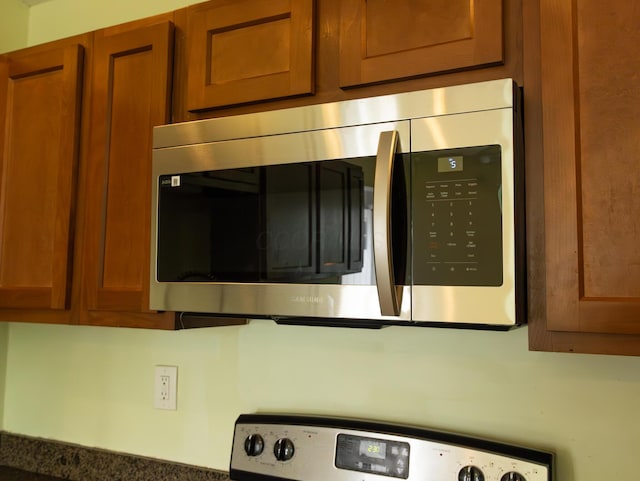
[{"x": 401, "y": 209}]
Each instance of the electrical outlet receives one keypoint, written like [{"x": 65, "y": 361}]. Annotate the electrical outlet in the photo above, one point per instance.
[{"x": 166, "y": 387}]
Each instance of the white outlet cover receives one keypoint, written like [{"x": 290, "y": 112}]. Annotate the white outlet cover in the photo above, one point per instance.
[{"x": 165, "y": 397}]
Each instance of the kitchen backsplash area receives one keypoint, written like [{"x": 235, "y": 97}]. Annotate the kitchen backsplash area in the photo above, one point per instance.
[{"x": 93, "y": 387}]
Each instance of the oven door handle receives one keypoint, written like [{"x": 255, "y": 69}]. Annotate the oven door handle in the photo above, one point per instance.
[{"x": 389, "y": 295}]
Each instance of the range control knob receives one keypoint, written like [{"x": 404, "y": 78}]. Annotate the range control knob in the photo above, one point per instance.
[
  {"x": 254, "y": 445},
  {"x": 513, "y": 476},
  {"x": 283, "y": 449},
  {"x": 470, "y": 473}
]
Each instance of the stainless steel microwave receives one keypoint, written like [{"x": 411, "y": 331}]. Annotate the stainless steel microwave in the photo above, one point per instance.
[{"x": 400, "y": 209}]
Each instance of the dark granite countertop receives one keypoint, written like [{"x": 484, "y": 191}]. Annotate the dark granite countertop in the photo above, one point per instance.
[
  {"x": 22, "y": 458},
  {"x": 13, "y": 474}
]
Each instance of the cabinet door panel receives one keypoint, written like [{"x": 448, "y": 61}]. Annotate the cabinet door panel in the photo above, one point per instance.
[
  {"x": 609, "y": 146},
  {"x": 333, "y": 217},
  {"x": 247, "y": 51},
  {"x": 40, "y": 95},
  {"x": 356, "y": 219},
  {"x": 131, "y": 87},
  {"x": 290, "y": 220},
  {"x": 383, "y": 40},
  {"x": 591, "y": 136}
]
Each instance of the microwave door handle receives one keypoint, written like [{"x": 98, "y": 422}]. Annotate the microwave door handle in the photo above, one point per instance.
[{"x": 389, "y": 295}]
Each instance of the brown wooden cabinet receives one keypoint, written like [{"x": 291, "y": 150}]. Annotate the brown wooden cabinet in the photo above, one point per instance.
[
  {"x": 75, "y": 155},
  {"x": 75, "y": 175},
  {"x": 382, "y": 40},
  {"x": 583, "y": 139},
  {"x": 247, "y": 51},
  {"x": 338, "y": 50},
  {"x": 40, "y": 112},
  {"x": 131, "y": 87}
]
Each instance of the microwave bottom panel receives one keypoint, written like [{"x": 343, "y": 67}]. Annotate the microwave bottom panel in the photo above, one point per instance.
[
  {"x": 465, "y": 305},
  {"x": 279, "y": 301}
]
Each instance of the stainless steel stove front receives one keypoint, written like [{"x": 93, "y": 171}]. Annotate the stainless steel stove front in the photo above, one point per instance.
[{"x": 302, "y": 448}]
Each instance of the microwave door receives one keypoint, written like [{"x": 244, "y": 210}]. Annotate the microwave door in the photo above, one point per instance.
[
  {"x": 464, "y": 202},
  {"x": 278, "y": 226}
]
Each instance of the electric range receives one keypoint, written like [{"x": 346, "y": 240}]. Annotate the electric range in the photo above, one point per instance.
[{"x": 272, "y": 447}]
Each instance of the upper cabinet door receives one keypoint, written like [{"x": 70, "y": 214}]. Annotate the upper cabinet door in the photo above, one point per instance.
[
  {"x": 131, "y": 82},
  {"x": 247, "y": 51},
  {"x": 383, "y": 40},
  {"x": 589, "y": 97},
  {"x": 40, "y": 98}
]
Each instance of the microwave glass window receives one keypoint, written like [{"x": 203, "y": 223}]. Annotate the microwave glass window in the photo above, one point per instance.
[
  {"x": 306, "y": 222},
  {"x": 457, "y": 232}
]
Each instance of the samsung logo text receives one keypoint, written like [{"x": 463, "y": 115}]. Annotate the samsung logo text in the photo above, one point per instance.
[{"x": 307, "y": 299}]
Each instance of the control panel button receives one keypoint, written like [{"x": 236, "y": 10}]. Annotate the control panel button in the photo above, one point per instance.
[
  {"x": 254, "y": 445},
  {"x": 283, "y": 449},
  {"x": 513, "y": 476},
  {"x": 470, "y": 473}
]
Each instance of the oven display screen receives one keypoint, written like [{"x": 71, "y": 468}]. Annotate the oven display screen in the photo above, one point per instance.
[
  {"x": 370, "y": 455},
  {"x": 373, "y": 449}
]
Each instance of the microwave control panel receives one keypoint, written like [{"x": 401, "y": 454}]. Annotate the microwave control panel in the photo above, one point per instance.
[
  {"x": 320, "y": 449},
  {"x": 457, "y": 214}
]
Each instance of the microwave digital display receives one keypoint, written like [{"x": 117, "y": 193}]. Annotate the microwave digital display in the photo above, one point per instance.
[{"x": 451, "y": 163}]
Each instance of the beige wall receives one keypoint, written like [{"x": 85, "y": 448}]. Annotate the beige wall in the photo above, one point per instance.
[
  {"x": 56, "y": 19},
  {"x": 94, "y": 386},
  {"x": 14, "y": 17},
  {"x": 4, "y": 337}
]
